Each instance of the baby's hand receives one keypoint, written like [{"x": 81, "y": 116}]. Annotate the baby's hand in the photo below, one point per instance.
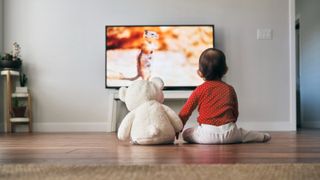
[{"x": 177, "y": 135}]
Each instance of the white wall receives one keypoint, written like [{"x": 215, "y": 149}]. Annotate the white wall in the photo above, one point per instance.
[
  {"x": 309, "y": 14},
  {"x": 63, "y": 50}
]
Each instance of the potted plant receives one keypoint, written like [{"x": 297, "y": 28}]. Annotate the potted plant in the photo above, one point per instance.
[
  {"x": 18, "y": 108},
  {"x": 23, "y": 82},
  {"x": 11, "y": 60}
]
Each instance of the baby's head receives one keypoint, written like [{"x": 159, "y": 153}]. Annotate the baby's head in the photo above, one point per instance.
[{"x": 212, "y": 64}]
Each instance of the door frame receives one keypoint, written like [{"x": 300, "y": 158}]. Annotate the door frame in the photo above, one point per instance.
[
  {"x": 292, "y": 66},
  {"x": 298, "y": 70}
]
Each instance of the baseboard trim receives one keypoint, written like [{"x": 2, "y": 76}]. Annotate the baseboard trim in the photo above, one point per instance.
[
  {"x": 267, "y": 126},
  {"x": 104, "y": 126},
  {"x": 70, "y": 127}
]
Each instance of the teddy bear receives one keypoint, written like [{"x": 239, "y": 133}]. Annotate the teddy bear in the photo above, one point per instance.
[{"x": 148, "y": 121}]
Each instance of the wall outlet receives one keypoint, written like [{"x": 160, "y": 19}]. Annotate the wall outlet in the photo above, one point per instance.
[{"x": 264, "y": 34}]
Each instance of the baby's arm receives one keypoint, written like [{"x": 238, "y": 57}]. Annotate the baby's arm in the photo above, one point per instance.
[
  {"x": 125, "y": 127},
  {"x": 235, "y": 99},
  {"x": 189, "y": 106},
  {"x": 174, "y": 119}
]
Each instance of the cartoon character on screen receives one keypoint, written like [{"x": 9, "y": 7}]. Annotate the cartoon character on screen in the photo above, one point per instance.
[{"x": 145, "y": 56}]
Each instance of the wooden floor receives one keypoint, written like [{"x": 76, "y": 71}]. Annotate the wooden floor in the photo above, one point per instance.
[{"x": 104, "y": 148}]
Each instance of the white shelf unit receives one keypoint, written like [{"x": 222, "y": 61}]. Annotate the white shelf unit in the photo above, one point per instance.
[
  {"x": 115, "y": 104},
  {"x": 167, "y": 95},
  {"x": 20, "y": 95},
  {"x": 20, "y": 120}
]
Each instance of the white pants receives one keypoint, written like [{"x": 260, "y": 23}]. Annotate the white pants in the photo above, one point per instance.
[{"x": 225, "y": 134}]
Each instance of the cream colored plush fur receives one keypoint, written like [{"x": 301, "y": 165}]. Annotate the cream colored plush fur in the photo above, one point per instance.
[{"x": 149, "y": 121}]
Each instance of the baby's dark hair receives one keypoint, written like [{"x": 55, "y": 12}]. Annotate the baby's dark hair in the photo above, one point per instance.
[{"x": 212, "y": 64}]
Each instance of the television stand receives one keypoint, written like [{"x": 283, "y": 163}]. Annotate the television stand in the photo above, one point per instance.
[{"x": 118, "y": 110}]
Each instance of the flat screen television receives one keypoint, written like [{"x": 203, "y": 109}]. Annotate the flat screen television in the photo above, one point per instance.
[{"x": 170, "y": 52}]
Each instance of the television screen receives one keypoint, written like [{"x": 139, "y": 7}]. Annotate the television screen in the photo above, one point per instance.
[{"x": 169, "y": 52}]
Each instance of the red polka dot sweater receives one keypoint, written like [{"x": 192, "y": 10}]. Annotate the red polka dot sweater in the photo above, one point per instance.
[{"x": 217, "y": 104}]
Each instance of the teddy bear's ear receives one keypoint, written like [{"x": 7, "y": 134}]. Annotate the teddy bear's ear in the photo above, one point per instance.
[
  {"x": 122, "y": 93},
  {"x": 158, "y": 82}
]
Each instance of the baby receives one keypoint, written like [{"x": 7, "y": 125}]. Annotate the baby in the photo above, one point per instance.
[{"x": 217, "y": 105}]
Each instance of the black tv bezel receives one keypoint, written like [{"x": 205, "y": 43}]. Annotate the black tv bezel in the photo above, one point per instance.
[{"x": 165, "y": 87}]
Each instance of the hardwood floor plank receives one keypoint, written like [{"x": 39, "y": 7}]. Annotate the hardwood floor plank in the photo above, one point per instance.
[{"x": 104, "y": 148}]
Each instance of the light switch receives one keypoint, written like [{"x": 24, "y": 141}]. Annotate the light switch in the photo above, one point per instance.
[{"x": 264, "y": 34}]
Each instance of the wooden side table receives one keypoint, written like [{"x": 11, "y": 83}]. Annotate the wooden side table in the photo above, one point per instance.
[
  {"x": 9, "y": 76},
  {"x": 22, "y": 120}
]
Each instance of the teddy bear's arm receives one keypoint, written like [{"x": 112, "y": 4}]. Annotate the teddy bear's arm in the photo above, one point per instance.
[
  {"x": 125, "y": 126},
  {"x": 174, "y": 118}
]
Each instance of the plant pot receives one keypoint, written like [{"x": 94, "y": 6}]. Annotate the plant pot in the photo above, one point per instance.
[
  {"x": 21, "y": 89},
  {"x": 9, "y": 64},
  {"x": 19, "y": 111}
]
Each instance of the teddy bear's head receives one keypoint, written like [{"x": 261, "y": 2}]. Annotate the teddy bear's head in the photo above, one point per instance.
[{"x": 142, "y": 91}]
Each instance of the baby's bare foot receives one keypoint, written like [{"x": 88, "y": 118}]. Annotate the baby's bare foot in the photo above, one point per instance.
[{"x": 266, "y": 137}]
